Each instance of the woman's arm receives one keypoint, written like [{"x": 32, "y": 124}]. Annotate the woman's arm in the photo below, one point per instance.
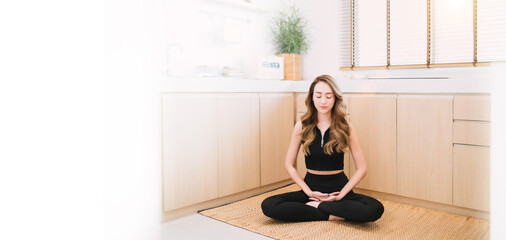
[
  {"x": 360, "y": 165},
  {"x": 291, "y": 156}
]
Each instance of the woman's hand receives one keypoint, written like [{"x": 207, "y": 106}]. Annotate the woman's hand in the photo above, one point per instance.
[
  {"x": 317, "y": 196},
  {"x": 330, "y": 197}
]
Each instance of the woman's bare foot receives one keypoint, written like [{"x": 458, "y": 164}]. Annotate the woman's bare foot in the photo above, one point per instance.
[
  {"x": 332, "y": 218},
  {"x": 313, "y": 204}
]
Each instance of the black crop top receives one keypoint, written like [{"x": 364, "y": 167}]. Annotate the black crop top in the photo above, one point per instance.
[{"x": 318, "y": 159}]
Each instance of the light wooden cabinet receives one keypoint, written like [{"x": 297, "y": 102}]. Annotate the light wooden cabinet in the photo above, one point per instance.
[
  {"x": 428, "y": 147},
  {"x": 189, "y": 145},
  {"x": 276, "y": 125},
  {"x": 471, "y": 154},
  {"x": 471, "y": 132},
  {"x": 424, "y": 147},
  {"x": 238, "y": 143},
  {"x": 471, "y": 177},
  {"x": 472, "y": 107},
  {"x": 374, "y": 119},
  {"x": 347, "y": 155},
  {"x": 346, "y": 101},
  {"x": 216, "y": 145},
  {"x": 300, "y": 104}
]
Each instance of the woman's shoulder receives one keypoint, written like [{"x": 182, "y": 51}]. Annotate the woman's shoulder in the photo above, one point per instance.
[
  {"x": 297, "y": 129},
  {"x": 351, "y": 127}
]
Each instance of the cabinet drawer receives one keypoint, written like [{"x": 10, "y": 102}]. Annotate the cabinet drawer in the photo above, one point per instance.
[
  {"x": 471, "y": 132},
  {"x": 471, "y": 185},
  {"x": 468, "y": 107}
]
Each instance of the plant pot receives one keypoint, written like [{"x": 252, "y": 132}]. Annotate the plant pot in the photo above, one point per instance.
[{"x": 292, "y": 65}]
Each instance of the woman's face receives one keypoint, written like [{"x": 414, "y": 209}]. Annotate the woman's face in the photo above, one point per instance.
[{"x": 323, "y": 97}]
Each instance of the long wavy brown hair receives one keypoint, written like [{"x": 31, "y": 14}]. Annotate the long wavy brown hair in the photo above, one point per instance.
[{"x": 339, "y": 138}]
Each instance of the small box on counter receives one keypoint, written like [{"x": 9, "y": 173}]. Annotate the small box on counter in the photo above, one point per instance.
[{"x": 270, "y": 67}]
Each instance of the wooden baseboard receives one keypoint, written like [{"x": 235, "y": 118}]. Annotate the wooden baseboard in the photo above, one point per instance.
[
  {"x": 170, "y": 215},
  {"x": 425, "y": 204}
]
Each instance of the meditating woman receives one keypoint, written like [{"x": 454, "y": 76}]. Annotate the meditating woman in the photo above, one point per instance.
[{"x": 326, "y": 193}]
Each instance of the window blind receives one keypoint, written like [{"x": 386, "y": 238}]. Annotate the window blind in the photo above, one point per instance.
[
  {"x": 491, "y": 30},
  {"x": 458, "y": 32},
  {"x": 345, "y": 30},
  {"x": 452, "y": 35},
  {"x": 370, "y": 33},
  {"x": 408, "y": 32}
]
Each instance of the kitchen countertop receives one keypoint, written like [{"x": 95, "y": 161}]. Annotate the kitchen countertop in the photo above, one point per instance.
[
  {"x": 216, "y": 84},
  {"x": 237, "y": 85}
]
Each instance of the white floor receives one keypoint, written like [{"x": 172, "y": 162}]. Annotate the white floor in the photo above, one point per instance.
[{"x": 200, "y": 227}]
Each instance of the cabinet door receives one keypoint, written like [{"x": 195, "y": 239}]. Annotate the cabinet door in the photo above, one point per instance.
[
  {"x": 300, "y": 103},
  {"x": 276, "y": 125},
  {"x": 189, "y": 146},
  {"x": 346, "y": 101},
  {"x": 238, "y": 143},
  {"x": 374, "y": 120},
  {"x": 471, "y": 188},
  {"x": 347, "y": 155},
  {"x": 424, "y": 147}
]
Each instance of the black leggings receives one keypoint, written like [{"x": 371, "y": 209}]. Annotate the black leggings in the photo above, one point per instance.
[{"x": 292, "y": 206}]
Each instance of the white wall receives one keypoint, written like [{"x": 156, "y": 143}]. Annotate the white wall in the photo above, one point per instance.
[
  {"x": 51, "y": 120},
  {"x": 207, "y": 36},
  {"x": 80, "y": 119},
  {"x": 135, "y": 45},
  {"x": 498, "y": 155},
  {"x": 323, "y": 55}
]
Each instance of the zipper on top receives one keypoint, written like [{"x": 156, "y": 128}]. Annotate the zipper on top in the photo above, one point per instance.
[{"x": 322, "y": 135}]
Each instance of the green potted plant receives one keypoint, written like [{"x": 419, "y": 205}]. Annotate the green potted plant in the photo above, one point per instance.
[{"x": 290, "y": 38}]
